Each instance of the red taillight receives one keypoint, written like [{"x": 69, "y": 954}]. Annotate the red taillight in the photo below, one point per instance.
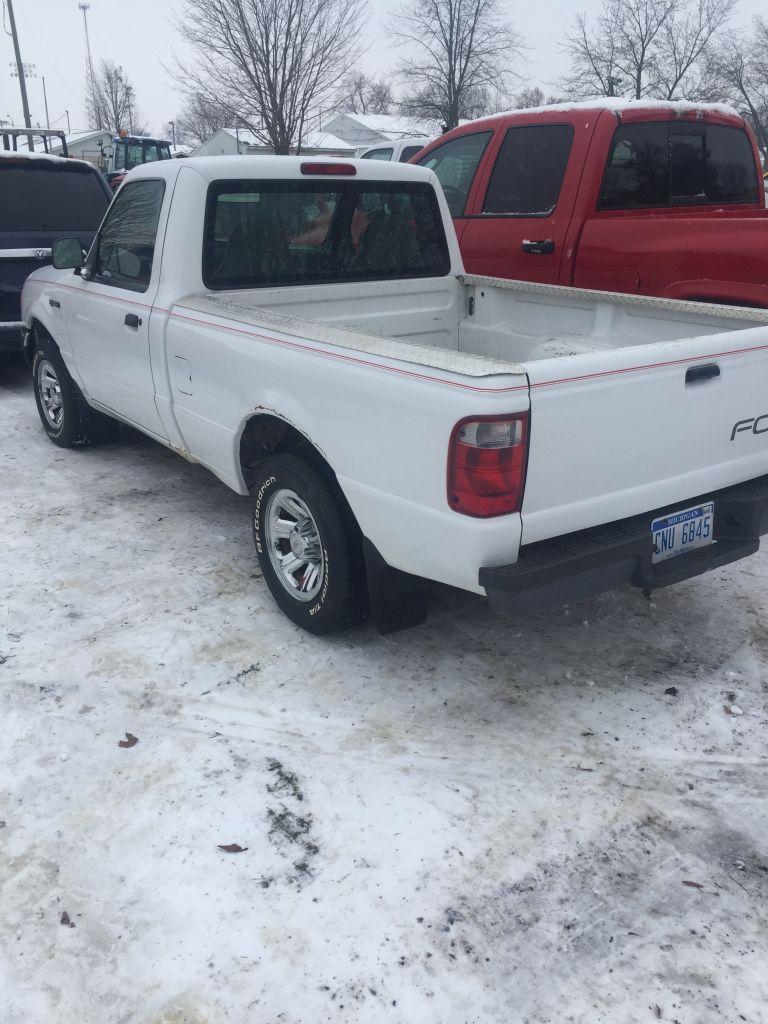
[
  {"x": 487, "y": 459},
  {"x": 335, "y": 169}
]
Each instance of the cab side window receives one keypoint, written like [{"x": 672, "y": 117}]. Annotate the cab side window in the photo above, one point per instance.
[
  {"x": 455, "y": 164},
  {"x": 126, "y": 243},
  {"x": 678, "y": 164},
  {"x": 529, "y": 170}
]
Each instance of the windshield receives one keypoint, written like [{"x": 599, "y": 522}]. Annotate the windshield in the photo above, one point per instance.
[
  {"x": 132, "y": 153},
  {"x": 43, "y": 195}
]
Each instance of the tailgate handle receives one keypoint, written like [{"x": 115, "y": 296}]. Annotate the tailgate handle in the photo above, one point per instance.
[
  {"x": 542, "y": 247},
  {"x": 695, "y": 374}
]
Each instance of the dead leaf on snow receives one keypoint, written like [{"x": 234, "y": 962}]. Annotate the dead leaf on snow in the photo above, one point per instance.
[
  {"x": 692, "y": 885},
  {"x": 233, "y": 848},
  {"x": 129, "y": 741},
  {"x": 66, "y": 920}
]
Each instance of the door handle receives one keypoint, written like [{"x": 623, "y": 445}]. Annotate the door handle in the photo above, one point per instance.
[
  {"x": 695, "y": 374},
  {"x": 131, "y": 320},
  {"x": 541, "y": 247},
  {"x": 55, "y": 303}
]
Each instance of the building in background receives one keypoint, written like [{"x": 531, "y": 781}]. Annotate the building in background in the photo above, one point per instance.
[
  {"x": 365, "y": 130},
  {"x": 90, "y": 146},
  {"x": 234, "y": 141}
]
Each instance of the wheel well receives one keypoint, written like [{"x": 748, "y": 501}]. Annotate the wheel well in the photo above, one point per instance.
[
  {"x": 265, "y": 435},
  {"x": 37, "y": 331}
]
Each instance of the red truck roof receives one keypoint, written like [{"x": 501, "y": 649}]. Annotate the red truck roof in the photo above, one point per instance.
[{"x": 625, "y": 110}]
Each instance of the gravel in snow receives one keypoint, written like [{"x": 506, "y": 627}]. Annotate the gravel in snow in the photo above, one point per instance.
[{"x": 209, "y": 816}]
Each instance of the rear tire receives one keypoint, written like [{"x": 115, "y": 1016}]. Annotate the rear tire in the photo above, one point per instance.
[
  {"x": 62, "y": 410},
  {"x": 309, "y": 546}
]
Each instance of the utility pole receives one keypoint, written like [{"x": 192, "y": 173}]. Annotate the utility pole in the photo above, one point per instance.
[
  {"x": 20, "y": 71},
  {"x": 45, "y": 101},
  {"x": 96, "y": 106}
]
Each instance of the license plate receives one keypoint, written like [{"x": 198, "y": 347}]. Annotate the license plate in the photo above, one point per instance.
[{"x": 682, "y": 531}]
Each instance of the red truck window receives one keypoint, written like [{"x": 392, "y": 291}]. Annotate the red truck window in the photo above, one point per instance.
[
  {"x": 529, "y": 170},
  {"x": 455, "y": 163},
  {"x": 673, "y": 164}
]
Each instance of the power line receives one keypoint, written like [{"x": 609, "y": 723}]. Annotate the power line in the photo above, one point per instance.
[{"x": 31, "y": 27}]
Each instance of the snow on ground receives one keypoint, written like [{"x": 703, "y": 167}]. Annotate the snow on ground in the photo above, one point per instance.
[{"x": 468, "y": 823}]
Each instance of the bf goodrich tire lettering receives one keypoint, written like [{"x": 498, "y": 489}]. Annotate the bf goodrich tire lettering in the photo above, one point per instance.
[{"x": 308, "y": 546}]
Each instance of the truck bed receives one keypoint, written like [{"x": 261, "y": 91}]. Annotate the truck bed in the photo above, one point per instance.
[{"x": 488, "y": 326}]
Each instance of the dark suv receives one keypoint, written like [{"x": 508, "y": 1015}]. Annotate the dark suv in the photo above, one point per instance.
[{"x": 42, "y": 198}]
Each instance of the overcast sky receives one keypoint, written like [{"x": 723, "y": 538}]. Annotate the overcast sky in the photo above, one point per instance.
[{"x": 139, "y": 35}]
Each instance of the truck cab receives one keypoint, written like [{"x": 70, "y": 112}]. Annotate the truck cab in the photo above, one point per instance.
[{"x": 648, "y": 198}]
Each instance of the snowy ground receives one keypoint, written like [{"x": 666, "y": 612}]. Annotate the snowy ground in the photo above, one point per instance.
[{"x": 467, "y": 822}]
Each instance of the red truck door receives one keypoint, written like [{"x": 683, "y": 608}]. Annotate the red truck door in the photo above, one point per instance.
[{"x": 520, "y": 210}]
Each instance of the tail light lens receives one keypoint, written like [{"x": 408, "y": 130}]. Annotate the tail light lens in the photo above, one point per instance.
[{"x": 487, "y": 460}]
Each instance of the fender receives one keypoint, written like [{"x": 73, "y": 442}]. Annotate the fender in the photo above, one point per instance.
[{"x": 294, "y": 419}]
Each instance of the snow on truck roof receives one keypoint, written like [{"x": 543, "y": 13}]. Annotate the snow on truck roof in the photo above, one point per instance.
[{"x": 619, "y": 104}]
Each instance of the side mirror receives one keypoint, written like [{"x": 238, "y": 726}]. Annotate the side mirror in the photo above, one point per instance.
[{"x": 67, "y": 254}]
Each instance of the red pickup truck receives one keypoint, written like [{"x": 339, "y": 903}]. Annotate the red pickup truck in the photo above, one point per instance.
[{"x": 653, "y": 198}]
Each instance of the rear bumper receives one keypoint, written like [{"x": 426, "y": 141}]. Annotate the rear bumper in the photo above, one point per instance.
[
  {"x": 11, "y": 336},
  {"x": 578, "y": 565}
]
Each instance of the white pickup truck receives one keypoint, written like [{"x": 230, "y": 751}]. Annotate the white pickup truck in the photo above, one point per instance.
[{"x": 305, "y": 330}]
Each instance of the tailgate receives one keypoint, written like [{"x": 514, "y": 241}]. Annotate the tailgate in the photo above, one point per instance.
[{"x": 619, "y": 432}]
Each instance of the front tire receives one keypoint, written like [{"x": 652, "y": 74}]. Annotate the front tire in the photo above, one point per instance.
[
  {"x": 308, "y": 546},
  {"x": 58, "y": 402}
]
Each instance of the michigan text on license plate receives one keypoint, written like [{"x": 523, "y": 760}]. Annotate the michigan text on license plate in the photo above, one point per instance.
[{"x": 682, "y": 531}]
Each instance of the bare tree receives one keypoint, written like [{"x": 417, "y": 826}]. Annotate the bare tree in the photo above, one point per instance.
[
  {"x": 275, "y": 63},
  {"x": 594, "y": 56},
  {"x": 459, "y": 56},
  {"x": 363, "y": 94},
  {"x": 645, "y": 47},
  {"x": 201, "y": 117},
  {"x": 111, "y": 101},
  {"x": 530, "y": 97},
  {"x": 739, "y": 63},
  {"x": 617, "y": 56},
  {"x": 678, "y": 70}
]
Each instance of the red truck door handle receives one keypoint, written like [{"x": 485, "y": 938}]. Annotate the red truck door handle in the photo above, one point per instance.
[{"x": 542, "y": 247}]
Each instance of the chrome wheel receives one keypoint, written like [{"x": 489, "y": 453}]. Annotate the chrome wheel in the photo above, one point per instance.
[
  {"x": 294, "y": 545},
  {"x": 50, "y": 393}
]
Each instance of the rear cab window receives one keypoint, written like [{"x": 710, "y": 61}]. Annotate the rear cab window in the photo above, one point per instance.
[
  {"x": 260, "y": 233},
  {"x": 379, "y": 154},
  {"x": 529, "y": 170},
  {"x": 678, "y": 164},
  {"x": 48, "y": 195},
  {"x": 455, "y": 164}
]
